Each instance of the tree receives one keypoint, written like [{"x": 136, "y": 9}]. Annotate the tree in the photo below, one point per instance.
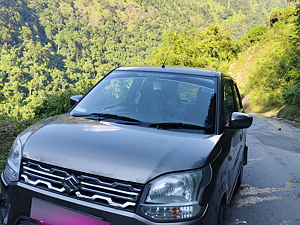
[{"x": 194, "y": 48}]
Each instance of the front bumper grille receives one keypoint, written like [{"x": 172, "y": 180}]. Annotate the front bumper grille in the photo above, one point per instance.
[{"x": 100, "y": 190}]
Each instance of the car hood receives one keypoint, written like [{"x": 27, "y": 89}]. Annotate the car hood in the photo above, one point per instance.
[{"x": 125, "y": 152}]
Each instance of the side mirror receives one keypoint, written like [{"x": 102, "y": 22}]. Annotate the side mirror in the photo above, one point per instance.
[
  {"x": 74, "y": 99},
  {"x": 240, "y": 121}
]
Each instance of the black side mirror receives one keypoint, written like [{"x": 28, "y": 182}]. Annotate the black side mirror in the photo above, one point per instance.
[
  {"x": 74, "y": 99},
  {"x": 240, "y": 121}
]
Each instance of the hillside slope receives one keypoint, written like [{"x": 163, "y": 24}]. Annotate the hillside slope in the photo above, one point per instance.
[{"x": 268, "y": 71}]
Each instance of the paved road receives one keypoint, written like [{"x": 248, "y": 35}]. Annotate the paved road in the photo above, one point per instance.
[{"x": 270, "y": 194}]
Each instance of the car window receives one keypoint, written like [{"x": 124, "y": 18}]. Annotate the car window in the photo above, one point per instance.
[
  {"x": 115, "y": 92},
  {"x": 229, "y": 100},
  {"x": 237, "y": 97},
  {"x": 153, "y": 98},
  {"x": 187, "y": 92}
]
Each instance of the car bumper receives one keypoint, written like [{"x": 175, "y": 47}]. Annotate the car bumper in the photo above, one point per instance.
[{"x": 19, "y": 201}]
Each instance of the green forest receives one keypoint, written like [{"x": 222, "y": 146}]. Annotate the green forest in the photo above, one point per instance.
[{"x": 52, "y": 49}]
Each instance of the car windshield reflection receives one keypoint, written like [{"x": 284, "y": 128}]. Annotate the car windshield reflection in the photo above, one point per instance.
[{"x": 153, "y": 98}]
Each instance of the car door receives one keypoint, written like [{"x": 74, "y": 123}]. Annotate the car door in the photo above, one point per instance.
[{"x": 234, "y": 137}]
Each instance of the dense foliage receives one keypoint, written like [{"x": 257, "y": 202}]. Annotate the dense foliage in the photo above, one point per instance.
[
  {"x": 51, "y": 49},
  {"x": 208, "y": 49},
  {"x": 269, "y": 69}
]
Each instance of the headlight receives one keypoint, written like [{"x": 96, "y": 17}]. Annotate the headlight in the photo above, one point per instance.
[
  {"x": 176, "y": 196},
  {"x": 12, "y": 168}
]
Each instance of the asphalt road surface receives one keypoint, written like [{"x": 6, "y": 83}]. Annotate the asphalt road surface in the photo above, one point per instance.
[{"x": 270, "y": 192}]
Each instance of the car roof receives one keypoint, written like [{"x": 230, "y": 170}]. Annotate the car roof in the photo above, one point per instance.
[{"x": 172, "y": 69}]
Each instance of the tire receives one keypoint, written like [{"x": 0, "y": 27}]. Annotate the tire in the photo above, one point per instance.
[
  {"x": 220, "y": 217},
  {"x": 223, "y": 215},
  {"x": 240, "y": 178}
]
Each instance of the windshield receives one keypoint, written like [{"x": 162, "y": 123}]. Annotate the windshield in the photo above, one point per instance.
[{"x": 152, "y": 97}]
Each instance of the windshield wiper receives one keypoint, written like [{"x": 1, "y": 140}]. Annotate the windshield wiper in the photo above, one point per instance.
[
  {"x": 177, "y": 126},
  {"x": 104, "y": 116}
]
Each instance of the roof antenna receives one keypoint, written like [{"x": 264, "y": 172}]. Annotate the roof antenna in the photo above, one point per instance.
[{"x": 171, "y": 45}]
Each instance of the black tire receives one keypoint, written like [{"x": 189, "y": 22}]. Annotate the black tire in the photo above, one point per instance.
[
  {"x": 223, "y": 215},
  {"x": 220, "y": 218},
  {"x": 240, "y": 178}
]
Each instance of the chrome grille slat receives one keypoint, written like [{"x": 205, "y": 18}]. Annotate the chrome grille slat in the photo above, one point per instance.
[
  {"x": 106, "y": 194},
  {"x": 26, "y": 168},
  {"x": 109, "y": 200},
  {"x": 36, "y": 182},
  {"x": 115, "y": 184},
  {"x": 58, "y": 182},
  {"x": 40, "y": 167},
  {"x": 102, "y": 191},
  {"x": 109, "y": 189}
]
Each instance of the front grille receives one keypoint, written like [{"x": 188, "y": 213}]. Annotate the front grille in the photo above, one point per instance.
[{"x": 87, "y": 187}]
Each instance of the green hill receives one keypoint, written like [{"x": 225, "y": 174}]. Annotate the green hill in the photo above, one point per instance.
[
  {"x": 53, "y": 48},
  {"x": 268, "y": 71}
]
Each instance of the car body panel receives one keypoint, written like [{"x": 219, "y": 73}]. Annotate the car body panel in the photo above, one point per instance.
[
  {"x": 167, "y": 69},
  {"x": 68, "y": 141}
]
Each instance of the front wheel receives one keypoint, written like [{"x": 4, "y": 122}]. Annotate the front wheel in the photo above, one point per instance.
[
  {"x": 240, "y": 178},
  {"x": 223, "y": 215},
  {"x": 220, "y": 216}
]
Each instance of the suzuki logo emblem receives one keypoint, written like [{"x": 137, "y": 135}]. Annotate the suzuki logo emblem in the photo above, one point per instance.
[{"x": 70, "y": 183}]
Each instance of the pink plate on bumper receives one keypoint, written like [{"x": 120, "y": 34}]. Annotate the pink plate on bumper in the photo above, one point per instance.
[{"x": 55, "y": 215}]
